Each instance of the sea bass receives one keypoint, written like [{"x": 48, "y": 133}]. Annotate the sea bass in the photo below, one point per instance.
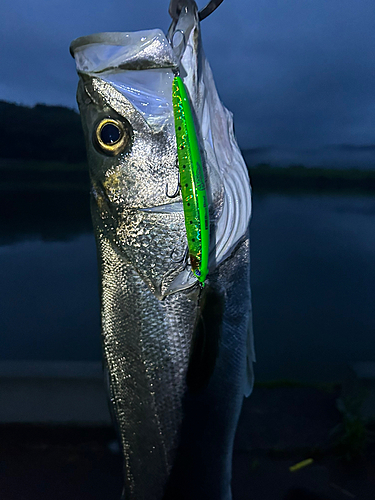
[{"x": 177, "y": 356}]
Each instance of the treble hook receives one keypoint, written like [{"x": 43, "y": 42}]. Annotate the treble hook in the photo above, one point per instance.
[{"x": 175, "y": 194}]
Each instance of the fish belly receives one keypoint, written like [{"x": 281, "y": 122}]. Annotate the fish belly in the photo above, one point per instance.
[
  {"x": 146, "y": 345},
  {"x": 177, "y": 443}
]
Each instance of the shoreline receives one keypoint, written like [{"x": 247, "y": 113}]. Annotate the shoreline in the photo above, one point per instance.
[
  {"x": 279, "y": 427},
  {"x": 33, "y": 175}
]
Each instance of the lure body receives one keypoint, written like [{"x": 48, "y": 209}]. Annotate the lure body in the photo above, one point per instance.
[{"x": 193, "y": 188}]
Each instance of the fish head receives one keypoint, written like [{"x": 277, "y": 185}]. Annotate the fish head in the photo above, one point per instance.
[
  {"x": 127, "y": 117},
  {"x": 128, "y": 158},
  {"x": 125, "y": 97}
]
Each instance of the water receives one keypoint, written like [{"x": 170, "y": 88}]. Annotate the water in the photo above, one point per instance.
[
  {"x": 313, "y": 279},
  {"x": 50, "y": 300},
  {"x": 313, "y": 283}
]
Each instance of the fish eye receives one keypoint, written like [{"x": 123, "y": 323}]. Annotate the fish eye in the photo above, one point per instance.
[{"x": 111, "y": 137}]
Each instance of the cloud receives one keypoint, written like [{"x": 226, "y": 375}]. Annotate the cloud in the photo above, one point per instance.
[{"x": 293, "y": 73}]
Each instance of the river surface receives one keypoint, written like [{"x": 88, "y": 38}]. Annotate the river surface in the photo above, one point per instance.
[{"x": 313, "y": 285}]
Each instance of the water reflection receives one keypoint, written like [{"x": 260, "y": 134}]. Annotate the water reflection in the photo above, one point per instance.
[
  {"x": 313, "y": 285},
  {"x": 312, "y": 281},
  {"x": 46, "y": 215},
  {"x": 49, "y": 300}
]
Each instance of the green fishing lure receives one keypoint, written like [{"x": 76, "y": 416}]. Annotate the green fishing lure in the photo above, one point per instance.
[{"x": 193, "y": 188}]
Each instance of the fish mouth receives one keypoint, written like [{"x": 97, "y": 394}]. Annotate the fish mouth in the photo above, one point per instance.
[{"x": 169, "y": 208}]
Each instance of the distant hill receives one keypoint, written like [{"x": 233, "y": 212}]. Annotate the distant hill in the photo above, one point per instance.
[
  {"x": 339, "y": 156},
  {"x": 54, "y": 134},
  {"x": 41, "y": 133}
]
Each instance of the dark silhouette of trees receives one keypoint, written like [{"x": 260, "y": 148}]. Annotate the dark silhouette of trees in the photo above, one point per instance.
[{"x": 41, "y": 133}]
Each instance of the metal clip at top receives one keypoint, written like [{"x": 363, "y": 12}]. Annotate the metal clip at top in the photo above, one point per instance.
[{"x": 176, "y": 6}]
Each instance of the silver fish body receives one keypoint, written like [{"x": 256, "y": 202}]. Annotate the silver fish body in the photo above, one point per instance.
[{"x": 178, "y": 358}]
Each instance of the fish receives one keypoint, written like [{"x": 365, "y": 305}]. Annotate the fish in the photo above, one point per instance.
[{"x": 177, "y": 355}]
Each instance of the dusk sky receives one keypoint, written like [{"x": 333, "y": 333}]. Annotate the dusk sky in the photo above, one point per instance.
[{"x": 295, "y": 73}]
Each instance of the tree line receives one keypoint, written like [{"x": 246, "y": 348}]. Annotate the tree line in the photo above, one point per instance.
[{"x": 41, "y": 132}]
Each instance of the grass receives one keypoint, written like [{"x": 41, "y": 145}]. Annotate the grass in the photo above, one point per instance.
[{"x": 351, "y": 436}]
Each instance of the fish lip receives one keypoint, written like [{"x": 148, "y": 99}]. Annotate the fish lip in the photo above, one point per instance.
[{"x": 168, "y": 208}]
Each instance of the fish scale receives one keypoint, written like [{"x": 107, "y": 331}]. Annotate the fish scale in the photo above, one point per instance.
[{"x": 147, "y": 378}]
